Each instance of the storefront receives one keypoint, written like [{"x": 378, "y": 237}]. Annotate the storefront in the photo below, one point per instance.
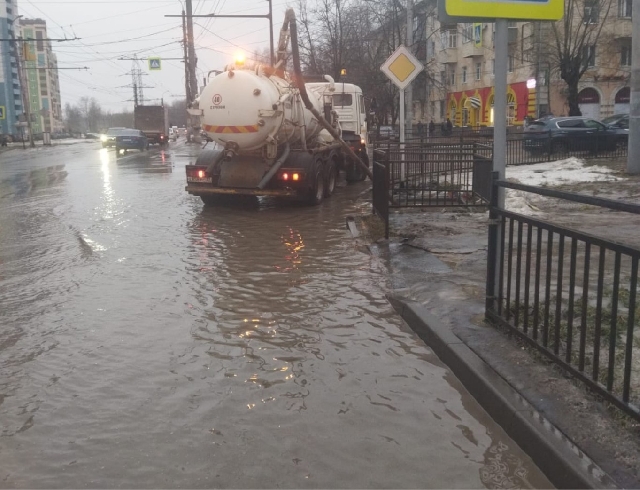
[
  {"x": 621, "y": 101},
  {"x": 589, "y": 102},
  {"x": 474, "y": 108}
]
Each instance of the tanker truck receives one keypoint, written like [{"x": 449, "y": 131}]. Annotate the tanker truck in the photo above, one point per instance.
[{"x": 276, "y": 135}]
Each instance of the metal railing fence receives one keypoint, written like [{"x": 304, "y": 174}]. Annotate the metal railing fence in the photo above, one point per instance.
[
  {"x": 571, "y": 295},
  {"x": 416, "y": 176},
  {"x": 521, "y": 148}
]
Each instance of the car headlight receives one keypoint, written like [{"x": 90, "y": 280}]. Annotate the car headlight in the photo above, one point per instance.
[{"x": 103, "y": 138}]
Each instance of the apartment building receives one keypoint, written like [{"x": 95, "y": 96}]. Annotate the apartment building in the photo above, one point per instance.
[
  {"x": 460, "y": 67},
  {"x": 10, "y": 92},
  {"x": 41, "y": 76}
]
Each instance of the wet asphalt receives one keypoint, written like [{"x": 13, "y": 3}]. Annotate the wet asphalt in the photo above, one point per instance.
[{"x": 148, "y": 341}]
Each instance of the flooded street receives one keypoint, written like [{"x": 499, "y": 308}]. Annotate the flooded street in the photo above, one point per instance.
[{"x": 148, "y": 341}]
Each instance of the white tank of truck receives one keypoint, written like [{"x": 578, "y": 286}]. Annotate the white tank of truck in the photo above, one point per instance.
[
  {"x": 274, "y": 135},
  {"x": 252, "y": 108}
]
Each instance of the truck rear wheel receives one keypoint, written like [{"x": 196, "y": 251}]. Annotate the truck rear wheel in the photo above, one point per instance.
[
  {"x": 331, "y": 178},
  {"x": 316, "y": 194}
]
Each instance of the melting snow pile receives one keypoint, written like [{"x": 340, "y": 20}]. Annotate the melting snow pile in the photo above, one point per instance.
[{"x": 549, "y": 174}]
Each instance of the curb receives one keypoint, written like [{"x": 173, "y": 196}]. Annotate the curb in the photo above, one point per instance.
[{"x": 564, "y": 464}]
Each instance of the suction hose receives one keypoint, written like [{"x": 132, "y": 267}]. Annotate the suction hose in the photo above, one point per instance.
[{"x": 290, "y": 18}]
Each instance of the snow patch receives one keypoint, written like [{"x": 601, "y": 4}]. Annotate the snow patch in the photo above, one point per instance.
[
  {"x": 569, "y": 171},
  {"x": 549, "y": 174}
]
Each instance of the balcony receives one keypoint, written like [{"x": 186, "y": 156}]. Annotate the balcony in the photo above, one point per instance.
[
  {"x": 449, "y": 55},
  {"x": 470, "y": 50},
  {"x": 622, "y": 28}
]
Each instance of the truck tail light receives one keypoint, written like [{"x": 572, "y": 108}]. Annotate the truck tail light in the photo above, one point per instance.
[
  {"x": 291, "y": 176},
  {"x": 200, "y": 174}
]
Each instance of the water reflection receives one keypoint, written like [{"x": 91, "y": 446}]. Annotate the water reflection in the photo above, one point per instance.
[
  {"x": 199, "y": 339},
  {"x": 24, "y": 184}
]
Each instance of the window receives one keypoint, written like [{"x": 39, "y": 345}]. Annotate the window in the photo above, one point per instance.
[
  {"x": 478, "y": 71},
  {"x": 442, "y": 110},
  {"x": 590, "y": 123},
  {"x": 443, "y": 77},
  {"x": 493, "y": 67},
  {"x": 342, "y": 100},
  {"x": 464, "y": 74},
  {"x": 467, "y": 32},
  {"x": 452, "y": 77},
  {"x": 589, "y": 55},
  {"x": 511, "y": 109},
  {"x": 452, "y": 39},
  {"x": 624, "y": 8},
  {"x": 571, "y": 123},
  {"x": 511, "y": 64},
  {"x": 39, "y": 43},
  {"x": 591, "y": 12},
  {"x": 625, "y": 55},
  {"x": 431, "y": 49}
]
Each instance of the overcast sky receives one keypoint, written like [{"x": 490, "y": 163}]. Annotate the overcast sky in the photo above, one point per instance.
[{"x": 112, "y": 29}]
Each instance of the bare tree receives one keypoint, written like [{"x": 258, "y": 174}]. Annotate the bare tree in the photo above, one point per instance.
[
  {"x": 575, "y": 38},
  {"x": 73, "y": 118}
]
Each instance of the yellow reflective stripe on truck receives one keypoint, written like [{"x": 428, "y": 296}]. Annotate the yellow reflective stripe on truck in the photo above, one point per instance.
[{"x": 231, "y": 129}]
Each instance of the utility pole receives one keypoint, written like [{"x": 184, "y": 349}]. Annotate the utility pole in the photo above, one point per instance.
[
  {"x": 268, "y": 16},
  {"x": 187, "y": 85},
  {"x": 136, "y": 81},
  {"x": 273, "y": 59},
  {"x": 409, "y": 89},
  {"x": 633, "y": 157},
  {"x": 192, "y": 80}
]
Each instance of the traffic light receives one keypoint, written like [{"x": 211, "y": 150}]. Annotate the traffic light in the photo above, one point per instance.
[{"x": 343, "y": 72}]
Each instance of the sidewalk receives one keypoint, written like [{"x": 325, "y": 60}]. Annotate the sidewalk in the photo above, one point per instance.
[{"x": 437, "y": 264}]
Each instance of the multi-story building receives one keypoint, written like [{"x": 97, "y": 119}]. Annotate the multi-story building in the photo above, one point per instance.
[
  {"x": 41, "y": 69},
  {"x": 460, "y": 64},
  {"x": 10, "y": 92}
]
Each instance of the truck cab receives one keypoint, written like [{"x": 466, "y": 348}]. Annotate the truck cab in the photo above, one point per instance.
[{"x": 348, "y": 104}]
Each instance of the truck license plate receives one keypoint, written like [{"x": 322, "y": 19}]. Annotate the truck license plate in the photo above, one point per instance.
[{"x": 206, "y": 180}]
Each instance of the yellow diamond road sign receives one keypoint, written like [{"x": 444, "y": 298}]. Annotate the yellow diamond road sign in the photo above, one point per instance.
[{"x": 402, "y": 67}]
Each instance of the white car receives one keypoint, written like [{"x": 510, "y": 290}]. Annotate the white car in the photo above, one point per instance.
[{"x": 173, "y": 135}]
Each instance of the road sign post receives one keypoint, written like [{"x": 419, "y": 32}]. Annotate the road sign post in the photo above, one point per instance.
[
  {"x": 500, "y": 11},
  {"x": 402, "y": 68}
]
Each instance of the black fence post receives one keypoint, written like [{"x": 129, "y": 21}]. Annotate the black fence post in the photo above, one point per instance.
[
  {"x": 493, "y": 248},
  {"x": 386, "y": 196}
]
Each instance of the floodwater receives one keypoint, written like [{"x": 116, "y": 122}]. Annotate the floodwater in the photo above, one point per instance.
[{"x": 147, "y": 341}]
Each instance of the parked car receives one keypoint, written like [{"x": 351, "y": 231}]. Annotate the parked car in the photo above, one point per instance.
[
  {"x": 131, "y": 139},
  {"x": 620, "y": 124},
  {"x": 572, "y": 133},
  {"x": 109, "y": 138},
  {"x": 173, "y": 135}
]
